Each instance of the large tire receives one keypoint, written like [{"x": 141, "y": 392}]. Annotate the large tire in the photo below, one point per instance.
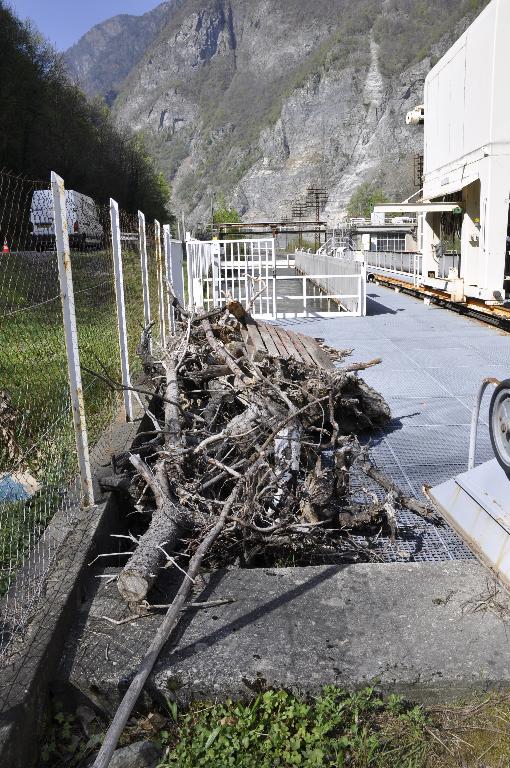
[{"x": 499, "y": 424}]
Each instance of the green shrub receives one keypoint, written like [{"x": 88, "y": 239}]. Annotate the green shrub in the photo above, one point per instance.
[
  {"x": 278, "y": 729},
  {"x": 363, "y": 200}
]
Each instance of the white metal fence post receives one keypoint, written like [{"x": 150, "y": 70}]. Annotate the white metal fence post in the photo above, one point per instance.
[
  {"x": 363, "y": 290},
  {"x": 216, "y": 267},
  {"x": 190, "y": 250},
  {"x": 71, "y": 338},
  {"x": 273, "y": 255},
  {"x": 161, "y": 287},
  {"x": 167, "y": 245},
  {"x": 145, "y": 272},
  {"x": 121, "y": 307}
]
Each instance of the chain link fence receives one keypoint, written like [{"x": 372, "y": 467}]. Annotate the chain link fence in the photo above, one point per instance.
[
  {"x": 59, "y": 307},
  {"x": 36, "y": 432}
]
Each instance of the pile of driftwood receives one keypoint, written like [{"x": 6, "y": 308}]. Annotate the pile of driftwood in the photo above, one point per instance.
[
  {"x": 264, "y": 447},
  {"x": 245, "y": 459}
]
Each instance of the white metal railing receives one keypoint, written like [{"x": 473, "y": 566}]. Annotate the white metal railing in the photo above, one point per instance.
[
  {"x": 242, "y": 270},
  {"x": 410, "y": 264},
  {"x": 446, "y": 262},
  {"x": 396, "y": 263},
  {"x": 342, "y": 280},
  {"x": 339, "y": 245},
  {"x": 248, "y": 271},
  {"x": 383, "y": 221}
]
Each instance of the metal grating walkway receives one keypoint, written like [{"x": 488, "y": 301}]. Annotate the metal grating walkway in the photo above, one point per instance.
[{"x": 433, "y": 364}]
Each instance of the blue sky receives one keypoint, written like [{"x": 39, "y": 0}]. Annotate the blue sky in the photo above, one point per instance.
[{"x": 63, "y": 22}]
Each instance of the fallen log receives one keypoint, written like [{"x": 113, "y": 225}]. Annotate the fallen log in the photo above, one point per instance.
[
  {"x": 168, "y": 525},
  {"x": 170, "y": 520}
]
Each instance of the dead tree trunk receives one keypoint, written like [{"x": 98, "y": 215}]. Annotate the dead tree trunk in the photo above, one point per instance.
[{"x": 170, "y": 521}]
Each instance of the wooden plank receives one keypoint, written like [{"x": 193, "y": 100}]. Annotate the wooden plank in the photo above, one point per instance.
[
  {"x": 287, "y": 342},
  {"x": 306, "y": 356},
  {"x": 321, "y": 358},
  {"x": 277, "y": 342},
  {"x": 272, "y": 349},
  {"x": 282, "y": 352},
  {"x": 309, "y": 344}
]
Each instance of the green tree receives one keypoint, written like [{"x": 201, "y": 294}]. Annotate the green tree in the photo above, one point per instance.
[
  {"x": 223, "y": 214},
  {"x": 363, "y": 200},
  {"x": 48, "y": 125}
]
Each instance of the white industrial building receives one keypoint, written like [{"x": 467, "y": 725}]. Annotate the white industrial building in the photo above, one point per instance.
[{"x": 467, "y": 159}]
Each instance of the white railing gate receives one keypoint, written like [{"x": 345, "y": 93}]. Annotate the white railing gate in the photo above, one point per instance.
[{"x": 249, "y": 271}]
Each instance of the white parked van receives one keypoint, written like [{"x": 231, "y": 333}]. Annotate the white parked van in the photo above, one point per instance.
[{"x": 84, "y": 228}]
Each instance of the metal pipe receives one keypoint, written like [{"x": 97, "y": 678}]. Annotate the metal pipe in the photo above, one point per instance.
[{"x": 475, "y": 418}]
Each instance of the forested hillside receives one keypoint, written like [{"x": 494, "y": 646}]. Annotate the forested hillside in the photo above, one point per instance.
[{"x": 48, "y": 124}]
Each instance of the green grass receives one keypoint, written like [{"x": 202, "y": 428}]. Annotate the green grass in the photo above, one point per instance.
[
  {"x": 337, "y": 729},
  {"x": 33, "y": 370}
]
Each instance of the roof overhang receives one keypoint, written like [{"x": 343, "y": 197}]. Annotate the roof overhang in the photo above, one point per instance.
[{"x": 425, "y": 207}]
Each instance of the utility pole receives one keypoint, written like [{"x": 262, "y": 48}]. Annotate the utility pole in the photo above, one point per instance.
[
  {"x": 318, "y": 197},
  {"x": 298, "y": 211},
  {"x": 285, "y": 221}
]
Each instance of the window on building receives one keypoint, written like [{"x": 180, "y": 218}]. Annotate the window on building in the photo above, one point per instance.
[{"x": 388, "y": 242}]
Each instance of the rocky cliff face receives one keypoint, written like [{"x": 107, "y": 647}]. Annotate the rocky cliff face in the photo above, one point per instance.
[
  {"x": 347, "y": 128},
  {"x": 257, "y": 99}
]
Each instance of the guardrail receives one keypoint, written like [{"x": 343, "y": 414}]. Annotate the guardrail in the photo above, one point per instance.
[
  {"x": 409, "y": 265},
  {"x": 396, "y": 263},
  {"x": 342, "y": 280},
  {"x": 446, "y": 262}
]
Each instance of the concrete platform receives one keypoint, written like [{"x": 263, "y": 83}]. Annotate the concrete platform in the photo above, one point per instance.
[{"x": 408, "y": 628}]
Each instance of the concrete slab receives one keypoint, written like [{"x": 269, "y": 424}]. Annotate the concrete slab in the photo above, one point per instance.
[
  {"x": 477, "y": 504},
  {"x": 406, "y": 627}
]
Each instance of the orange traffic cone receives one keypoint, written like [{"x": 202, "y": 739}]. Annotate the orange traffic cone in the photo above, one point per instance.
[{"x": 5, "y": 249}]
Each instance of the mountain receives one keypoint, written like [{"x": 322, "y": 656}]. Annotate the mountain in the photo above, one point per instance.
[
  {"x": 104, "y": 56},
  {"x": 257, "y": 99}
]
